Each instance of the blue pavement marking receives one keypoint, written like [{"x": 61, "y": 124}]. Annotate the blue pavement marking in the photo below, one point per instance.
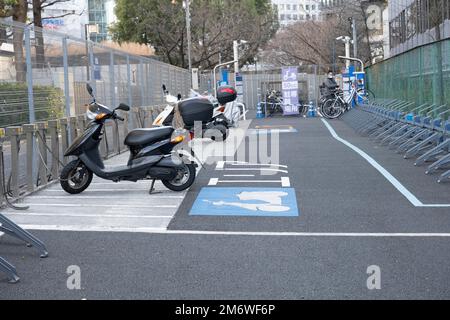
[{"x": 256, "y": 202}]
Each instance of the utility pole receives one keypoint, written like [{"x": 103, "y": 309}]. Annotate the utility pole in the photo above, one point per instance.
[
  {"x": 236, "y": 56},
  {"x": 188, "y": 30},
  {"x": 355, "y": 38}
]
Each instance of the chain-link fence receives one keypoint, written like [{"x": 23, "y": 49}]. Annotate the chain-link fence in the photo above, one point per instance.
[
  {"x": 43, "y": 75},
  {"x": 421, "y": 75},
  {"x": 259, "y": 83}
]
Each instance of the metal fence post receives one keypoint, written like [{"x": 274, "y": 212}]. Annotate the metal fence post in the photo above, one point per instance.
[
  {"x": 72, "y": 128},
  {"x": 81, "y": 119},
  {"x": 29, "y": 130},
  {"x": 66, "y": 76},
  {"x": 29, "y": 68},
  {"x": 141, "y": 80},
  {"x": 14, "y": 137},
  {"x": 2, "y": 178},
  {"x": 92, "y": 68},
  {"x": 42, "y": 142},
  {"x": 130, "y": 97},
  {"x": 54, "y": 136},
  {"x": 64, "y": 137},
  {"x": 112, "y": 79}
]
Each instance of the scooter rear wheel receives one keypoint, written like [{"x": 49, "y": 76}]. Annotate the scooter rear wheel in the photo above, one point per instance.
[
  {"x": 184, "y": 179},
  {"x": 75, "y": 177}
]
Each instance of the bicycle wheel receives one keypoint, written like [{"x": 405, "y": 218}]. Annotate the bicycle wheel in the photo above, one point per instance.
[{"x": 332, "y": 109}]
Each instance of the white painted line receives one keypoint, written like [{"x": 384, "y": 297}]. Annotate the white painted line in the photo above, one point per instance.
[
  {"x": 102, "y": 190},
  {"x": 97, "y": 205},
  {"x": 104, "y": 197},
  {"x": 220, "y": 165},
  {"x": 238, "y": 175},
  {"x": 138, "y": 183},
  {"x": 285, "y": 182},
  {"x": 63, "y": 215},
  {"x": 236, "y": 233},
  {"x": 254, "y": 169},
  {"x": 237, "y": 163},
  {"x": 213, "y": 182},
  {"x": 250, "y": 181},
  {"x": 397, "y": 184}
]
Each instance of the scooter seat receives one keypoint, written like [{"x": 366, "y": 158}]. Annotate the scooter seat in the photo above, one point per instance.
[{"x": 142, "y": 137}]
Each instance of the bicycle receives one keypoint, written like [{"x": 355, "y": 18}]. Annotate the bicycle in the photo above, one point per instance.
[{"x": 334, "y": 105}]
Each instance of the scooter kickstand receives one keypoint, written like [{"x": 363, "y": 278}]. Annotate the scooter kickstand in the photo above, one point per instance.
[{"x": 152, "y": 188}]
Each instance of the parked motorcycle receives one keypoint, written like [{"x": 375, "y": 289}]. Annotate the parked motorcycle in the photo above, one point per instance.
[
  {"x": 151, "y": 155},
  {"x": 203, "y": 109}
]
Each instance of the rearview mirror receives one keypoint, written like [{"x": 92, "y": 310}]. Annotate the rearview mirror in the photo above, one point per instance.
[
  {"x": 179, "y": 97},
  {"x": 123, "y": 107}
]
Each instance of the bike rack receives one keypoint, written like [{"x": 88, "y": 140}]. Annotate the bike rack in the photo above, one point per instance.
[
  {"x": 408, "y": 129},
  {"x": 10, "y": 228}
]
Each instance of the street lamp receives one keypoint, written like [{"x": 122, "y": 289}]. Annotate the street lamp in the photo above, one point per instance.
[
  {"x": 88, "y": 30},
  {"x": 238, "y": 84},
  {"x": 347, "y": 40}
]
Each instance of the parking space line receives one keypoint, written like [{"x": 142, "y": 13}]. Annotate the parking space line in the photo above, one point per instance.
[
  {"x": 162, "y": 231},
  {"x": 30, "y": 214},
  {"x": 238, "y": 175},
  {"x": 104, "y": 197},
  {"x": 98, "y": 205},
  {"x": 397, "y": 184},
  {"x": 213, "y": 182},
  {"x": 254, "y": 169},
  {"x": 285, "y": 182}
]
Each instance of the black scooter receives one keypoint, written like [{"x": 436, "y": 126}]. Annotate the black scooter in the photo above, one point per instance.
[{"x": 151, "y": 155}]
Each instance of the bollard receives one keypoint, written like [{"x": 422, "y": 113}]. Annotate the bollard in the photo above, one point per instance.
[
  {"x": 14, "y": 137},
  {"x": 42, "y": 150},
  {"x": 64, "y": 123},
  {"x": 259, "y": 111},
  {"x": 29, "y": 130},
  {"x": 54, "y": 137},
  {"x": 311, "y": 110}
]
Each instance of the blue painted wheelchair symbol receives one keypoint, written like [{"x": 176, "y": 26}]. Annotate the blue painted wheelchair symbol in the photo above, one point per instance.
[{"x": 257, "y": 202}]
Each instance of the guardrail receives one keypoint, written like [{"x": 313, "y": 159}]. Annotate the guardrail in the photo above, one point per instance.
[{"x": 32, "y": 155}]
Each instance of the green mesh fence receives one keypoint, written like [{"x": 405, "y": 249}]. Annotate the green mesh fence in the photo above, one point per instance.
[{"x": 421, "y": 75}]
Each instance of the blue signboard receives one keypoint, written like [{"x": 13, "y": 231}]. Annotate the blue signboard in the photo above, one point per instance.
[{"x": 256, "y": 202}]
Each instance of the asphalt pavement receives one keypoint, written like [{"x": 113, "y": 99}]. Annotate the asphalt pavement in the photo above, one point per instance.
[{"x": 347, "y": 218}]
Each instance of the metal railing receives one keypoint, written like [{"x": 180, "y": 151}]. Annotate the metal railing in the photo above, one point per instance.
[{"x": 32, "y": 155}]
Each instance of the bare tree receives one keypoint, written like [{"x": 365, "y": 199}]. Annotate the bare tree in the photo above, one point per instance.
[
  {"x": 19, "y": 14},
  {"x": 314, "y": 42},
  {"x": 38, "y": 7}
]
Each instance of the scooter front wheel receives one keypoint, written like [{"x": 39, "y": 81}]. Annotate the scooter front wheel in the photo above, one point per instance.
[
  {"x": 75, "y": 177},
  {"x": 184, "y": 179}
]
